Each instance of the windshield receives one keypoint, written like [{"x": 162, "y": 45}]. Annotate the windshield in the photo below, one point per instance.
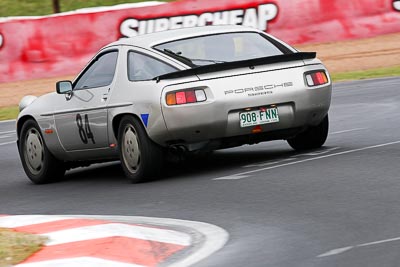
[{"x": 214, "y": 49}]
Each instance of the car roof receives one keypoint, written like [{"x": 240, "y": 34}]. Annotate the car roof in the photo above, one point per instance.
[{"x": 153, "y": 39}]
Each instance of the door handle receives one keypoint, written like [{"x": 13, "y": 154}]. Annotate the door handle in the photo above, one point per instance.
[{"x": 104, "y": 97}]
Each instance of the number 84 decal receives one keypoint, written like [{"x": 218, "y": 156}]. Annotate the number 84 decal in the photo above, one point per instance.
[{"x": 84, "y": 129}]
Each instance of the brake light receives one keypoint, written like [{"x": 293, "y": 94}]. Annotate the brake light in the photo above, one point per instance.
[
  {"x": 316, "y": 78},
  {"x": 185, "y": 97},
  {"x": 180, "y": 98},
  {"x": 190, "y": 97}
]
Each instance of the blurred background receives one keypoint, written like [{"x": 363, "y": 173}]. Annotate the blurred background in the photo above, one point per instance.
[{"x": 45, "y": 41}]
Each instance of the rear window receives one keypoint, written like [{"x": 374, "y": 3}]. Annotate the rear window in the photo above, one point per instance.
[{"x": 228, "y": 47}]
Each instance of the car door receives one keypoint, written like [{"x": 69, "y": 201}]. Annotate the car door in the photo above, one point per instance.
[{"x": 81, "y": 120}]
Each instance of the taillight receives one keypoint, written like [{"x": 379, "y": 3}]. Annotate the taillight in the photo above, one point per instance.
[
  {"x": 185, "y": 97},
  {"x": 316, "y": 78}
]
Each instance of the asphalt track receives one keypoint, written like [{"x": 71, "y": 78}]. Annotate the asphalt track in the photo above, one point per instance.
[{"x": 335, "y": 206}]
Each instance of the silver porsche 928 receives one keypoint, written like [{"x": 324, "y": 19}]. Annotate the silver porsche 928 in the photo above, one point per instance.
[{"x": 195, "y": 89}]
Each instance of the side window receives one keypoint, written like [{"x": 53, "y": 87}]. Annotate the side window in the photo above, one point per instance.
[
  {"x": 142, "y": 67},
  {"x": 100, "y": 72}
]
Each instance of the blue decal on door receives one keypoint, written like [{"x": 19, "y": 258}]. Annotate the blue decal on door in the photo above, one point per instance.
[{"x": 145, "y": 118}]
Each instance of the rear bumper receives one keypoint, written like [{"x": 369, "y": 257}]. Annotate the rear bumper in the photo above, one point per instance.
[{"x": 250, "y": 139}]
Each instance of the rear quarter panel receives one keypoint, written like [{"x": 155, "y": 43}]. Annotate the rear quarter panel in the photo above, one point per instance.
[{"x": 140, "y": 99}]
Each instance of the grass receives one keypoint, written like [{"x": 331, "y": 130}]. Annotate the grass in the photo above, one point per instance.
[
  {"x": 16, "y": 247},
  {"x": 44, "y": 7},
  {"x": 366, "y": 74},
  {"x": 8, "y": 113}
]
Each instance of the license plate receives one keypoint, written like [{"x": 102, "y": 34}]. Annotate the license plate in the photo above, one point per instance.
[{"x": 257, "y": 117}]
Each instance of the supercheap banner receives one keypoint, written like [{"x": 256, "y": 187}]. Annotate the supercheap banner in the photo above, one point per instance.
[{"x": 37, "y": 47}]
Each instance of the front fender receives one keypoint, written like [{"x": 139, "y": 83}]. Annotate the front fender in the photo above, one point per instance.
[{"x": 39, "y": 111}]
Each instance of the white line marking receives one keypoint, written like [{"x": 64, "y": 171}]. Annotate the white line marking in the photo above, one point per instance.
[
  {"x": 117, "y": 229},
  {"x": 379, "y": 242},
  {"x": 291, "y": 158},
  {"x": 78, "y": 262},
  {"x": 337, "y": 251},
  {"x": 261, "y": 164},
  {"x": 347, "y": 131},
  {"x": 317, "y": 153},
  {"x": 7, "y": 121},
  {"x": 311, "y": 159},
  {"x": 232, "y": 177},
  {"x": 23, "y": 220},
  {"x": 8, "y": 132},
  {"x": 8, "y": 143},
  {"x": 6, "y": 136}
]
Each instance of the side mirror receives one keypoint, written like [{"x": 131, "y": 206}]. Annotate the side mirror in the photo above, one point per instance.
[{"x": 64, "y": 87}]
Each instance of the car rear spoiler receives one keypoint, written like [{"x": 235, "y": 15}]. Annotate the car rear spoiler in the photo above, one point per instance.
[{"x": 237, "y": 64}]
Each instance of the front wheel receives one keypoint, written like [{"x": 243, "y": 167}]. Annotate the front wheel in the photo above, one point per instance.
[
  {"x": 39, "y": 164},
  {"x": 141, "y": 158},
  {"x": 313, "y": 137}
]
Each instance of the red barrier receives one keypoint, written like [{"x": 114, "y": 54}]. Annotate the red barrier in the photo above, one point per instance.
[{"x": 62, "y": 44}]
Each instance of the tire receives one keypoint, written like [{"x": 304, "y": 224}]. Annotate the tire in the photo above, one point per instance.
[
  {"x": 313, "y": 137},
  {"x": 39, "y": 164},
  {"x": 141, "y": 158}
]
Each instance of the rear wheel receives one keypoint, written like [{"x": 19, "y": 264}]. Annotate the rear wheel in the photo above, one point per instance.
[
  {"x": 39, "y": 164},
  {"x": 141, "y": 158},
  {"x": 313, "y": 137}
]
